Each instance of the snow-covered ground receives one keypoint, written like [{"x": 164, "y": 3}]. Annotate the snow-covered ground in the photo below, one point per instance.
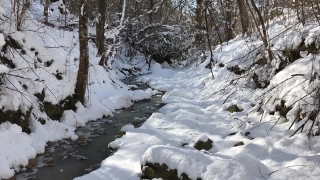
[
  {"x": 191, "y": 113},
  {"x": 250, "y": 144},
  {"x": 46, "y": 52}
]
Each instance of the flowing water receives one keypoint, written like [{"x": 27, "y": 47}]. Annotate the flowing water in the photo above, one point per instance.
[{"x": 68, "y": 159}]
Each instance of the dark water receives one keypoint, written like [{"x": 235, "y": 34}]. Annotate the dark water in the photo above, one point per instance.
[{"x": 68, "y": 159}]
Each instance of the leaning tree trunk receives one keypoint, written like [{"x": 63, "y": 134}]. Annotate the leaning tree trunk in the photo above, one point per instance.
[
  {"x": 82, "y": 78},
  {"x": 264, "y": 35}
]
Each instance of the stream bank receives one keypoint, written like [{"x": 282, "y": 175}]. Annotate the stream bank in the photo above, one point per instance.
[{"x": 67, "y": 159}]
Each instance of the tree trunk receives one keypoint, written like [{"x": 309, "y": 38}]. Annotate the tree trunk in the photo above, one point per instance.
[
  {"x": 100, "y": 30},
  {"x": 82, "y": 78},
  {"x": 199, "y": 17},
  {"x": 228, "y": 19},
  {"x": 46, "y": 11},
  {"x": 264, "y": 36},
  {"x": 243, "y": 16},
  {"x": 215, "y": 26},
  {"x": 13, "y": 7},
  {"x": 199, "y": 21},
  {"x": 150, "y": 14},
  {"x": 209, "y": 42}
]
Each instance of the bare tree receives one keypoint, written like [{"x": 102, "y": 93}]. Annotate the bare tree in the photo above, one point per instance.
[
  {"x": 260, "y": 21},
  {"x": 82, "y": 78}
]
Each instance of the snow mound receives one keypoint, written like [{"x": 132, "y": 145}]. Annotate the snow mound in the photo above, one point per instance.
[
  {"x": 138, "y": 95},
  {"x": 128, "y": 127},
  {"x": 16, "y": 149},
  {"x": 157, "y": 70},
  {"x": 114, "y": 145},
  {"x": 198, "y": 165},
  {"x": 190, "y": 162},
  {"x": 203, "y": 138}
]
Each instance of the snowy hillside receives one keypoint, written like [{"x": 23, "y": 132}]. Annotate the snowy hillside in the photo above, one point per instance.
[{"x": 38, "y": 73}]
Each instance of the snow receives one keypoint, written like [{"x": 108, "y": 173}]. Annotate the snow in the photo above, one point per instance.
[
  {"x": 47, "y": 52},
  {"x": 16, "y": 148},
  {"x": 126, "y": 128},
  {"x": 203, "y": 138},
  {"x": 195, "y": 110},
  {"x": 195, "y": 107},
  {"x": 191, "y": 162},
  {"x": 4, "y": 69},
  {"x": 187, "y": 118},
  {"x": 198, "y": 165},
  {"x": 113, "y": 145},
  {"x": 313, "y": 37},
  {"x": 2, "y": 41},
  {"x": 143, "y": 94}
]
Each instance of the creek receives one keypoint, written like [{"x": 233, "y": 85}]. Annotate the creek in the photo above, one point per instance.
[{"x": 67, "y": 159}]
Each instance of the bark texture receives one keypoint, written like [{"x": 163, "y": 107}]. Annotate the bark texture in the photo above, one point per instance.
[{"x": 82, "y": 78}]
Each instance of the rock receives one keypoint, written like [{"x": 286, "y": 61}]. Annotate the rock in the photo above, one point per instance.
[
  {"x": 81, "y": 138},
  {"x": 50, "y": 143},
  {"x": 240, "y": 143},
  {"x": 233, "y": 133},
  {"x": 137, "y": 121},
  {"x": 29, "y": 170},
  {"x": 236, "y": 69},
  {"x": 70, "y": 150},
  {"x": 18, "y": 117},
  {"x": 55, "y": 111},
  {"x": 133, "y": 88},
  {"x": 247, "y": 135},
  {"x": 32, "y": 163},
  {"x": 162, "y": 171},
  {"x": 49, "y": 162},
  {"x": 120, "y": 134},
  {"x": 124, "y": 129},
  {"x": 161, "y": 105},
  {"x": 47, "y": 148},
  {"x": 283, "y": 109},
  {"x": 183, "y": 144},
  {"x": 234, "y": 108},
  {"x": 203, "y": 145}
]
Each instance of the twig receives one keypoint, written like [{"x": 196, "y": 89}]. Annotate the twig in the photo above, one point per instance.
[{"x": 261, "y": 173}]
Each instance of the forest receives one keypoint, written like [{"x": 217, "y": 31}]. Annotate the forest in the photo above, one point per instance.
[{"x": 159, "y": 89}]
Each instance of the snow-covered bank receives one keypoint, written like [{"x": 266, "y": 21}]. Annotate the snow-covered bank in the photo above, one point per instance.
[
  {"x": 39, "y": 65},
  {"x": 234, "y": 121},
  {"x": 246, "y": 109},
  {"x": 168, "y": 136},
  {"x": 104, "y": 98}
]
